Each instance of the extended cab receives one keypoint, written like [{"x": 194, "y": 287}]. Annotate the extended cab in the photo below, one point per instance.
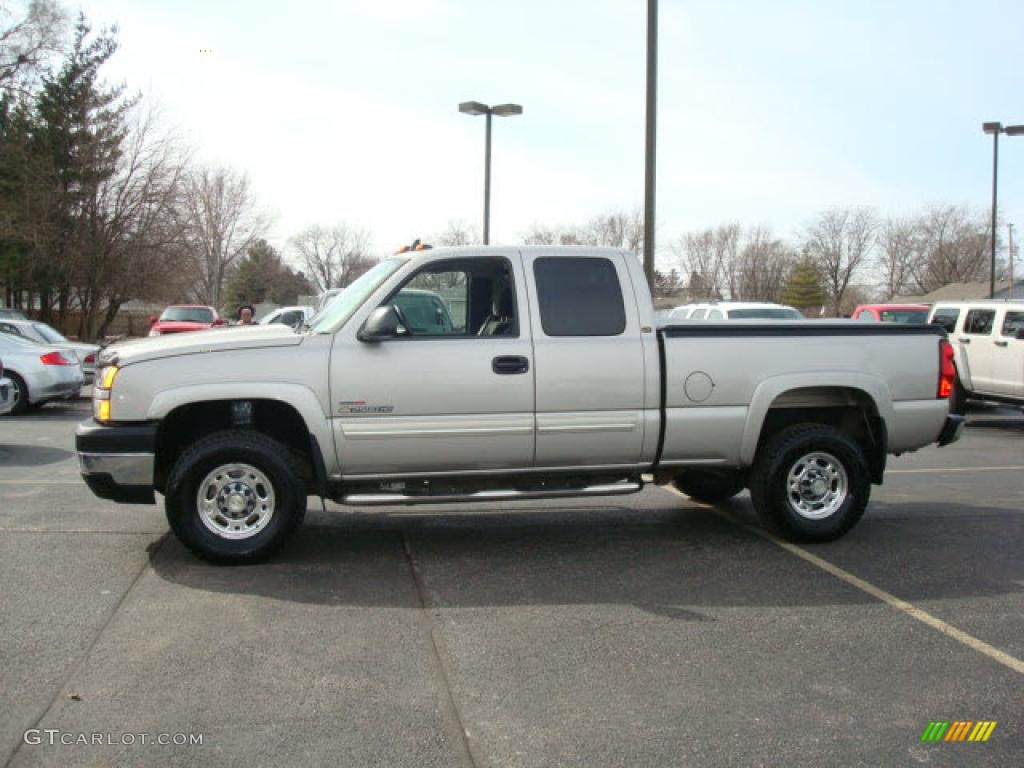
[{"x": 536, "y": 372}]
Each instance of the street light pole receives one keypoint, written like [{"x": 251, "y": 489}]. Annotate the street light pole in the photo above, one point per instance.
[
  {"x": 995, "y": 128},
  {"x": 487, "y": 182},
  {"x": 650, "y": 145},
  {"x": 501, "y": 110}
]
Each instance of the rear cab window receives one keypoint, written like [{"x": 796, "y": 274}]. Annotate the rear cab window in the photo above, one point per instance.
[{"x": 579, "y": 296}]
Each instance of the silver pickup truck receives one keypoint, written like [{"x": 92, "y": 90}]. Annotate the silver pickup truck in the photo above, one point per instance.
[{"x": 517, "y": 373}]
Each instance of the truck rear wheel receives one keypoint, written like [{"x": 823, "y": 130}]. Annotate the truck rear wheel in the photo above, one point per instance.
[
  {"x": 708, "y": 486},
  {"x": 235, "y": 497},
  {"x": 810, "y": 482}
]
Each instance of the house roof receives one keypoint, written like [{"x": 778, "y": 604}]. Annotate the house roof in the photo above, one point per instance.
[{"x": 963, "y": 292}]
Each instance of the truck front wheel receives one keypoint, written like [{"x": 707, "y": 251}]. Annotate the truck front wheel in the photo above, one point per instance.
[
  {"x": 235, "y": 497},
  {"x": 810, "y": 482},
  {"x": 709, "y": 486}
]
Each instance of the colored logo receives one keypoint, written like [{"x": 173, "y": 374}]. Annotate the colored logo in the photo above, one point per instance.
[{"x": 958, "y": 730}]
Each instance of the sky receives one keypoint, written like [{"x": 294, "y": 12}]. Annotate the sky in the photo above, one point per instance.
[{"x": 768, "y": 112}]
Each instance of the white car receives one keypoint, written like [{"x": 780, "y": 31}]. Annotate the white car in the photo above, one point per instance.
[
  {"x": 988, "y": 337},
  {"x": 38, "y": 374},
  {"x": 735, "y": 310},
  {"x": 294, "y": 317},
  {"x": 41, "y": 333}
]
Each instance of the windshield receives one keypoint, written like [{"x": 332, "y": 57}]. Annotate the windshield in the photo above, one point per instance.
[
  {"x": 188, "y": 315},
  {"x": 904, "y": 315},
  {"x": 767, "y": 313},
  {"x": 344, "y": 305},
  {"x": 48, "y": 333}
]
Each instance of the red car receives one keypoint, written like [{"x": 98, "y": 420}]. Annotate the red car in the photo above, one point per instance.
[
  {"x": 179, "y": 318},
  {"x": 892, "y": 313}
]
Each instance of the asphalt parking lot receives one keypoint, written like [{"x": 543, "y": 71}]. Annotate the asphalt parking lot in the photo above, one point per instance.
[{"x": 638, "y": 631}]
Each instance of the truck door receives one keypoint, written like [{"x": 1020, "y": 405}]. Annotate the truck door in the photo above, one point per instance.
[
  {"x": 1008, "y": 355},
  {"x": 455, "y": 391},
  {"x": 977, "y": 340},
  {"x": 588, "y": 361}
]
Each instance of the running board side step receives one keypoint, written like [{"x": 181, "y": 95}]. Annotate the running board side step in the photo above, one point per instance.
[{"x": 498, "y": 494}]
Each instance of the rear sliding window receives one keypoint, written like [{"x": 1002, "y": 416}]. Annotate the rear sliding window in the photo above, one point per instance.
[{"x": 579, "y": 297}]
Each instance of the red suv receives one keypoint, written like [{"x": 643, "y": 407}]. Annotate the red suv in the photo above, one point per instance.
[
  {"x": 179, "y": 318},
  {"x": 892, "y": 313}
]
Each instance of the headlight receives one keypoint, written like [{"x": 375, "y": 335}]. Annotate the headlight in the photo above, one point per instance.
[{"x": 101, "y": 393}]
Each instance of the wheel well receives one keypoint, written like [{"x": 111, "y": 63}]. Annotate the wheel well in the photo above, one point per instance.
[
  {"x": 852, "y": 411},
  {"x": 188, "y": 423}
]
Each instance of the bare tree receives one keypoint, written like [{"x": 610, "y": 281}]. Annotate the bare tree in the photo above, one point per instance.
[
  {"x": 764, "y": 264},
  {"x": 953, "y": 247},
  {"x": 458, "y": 233},
  {"x": 840, "y": 241},
  {"x": 333, "y": 256},
  {"x": 27, "y": 39},
  {"x": 134, "y": 247},
  {"x": 899, "y": 244},
  {"x": 221, "y": 223}
]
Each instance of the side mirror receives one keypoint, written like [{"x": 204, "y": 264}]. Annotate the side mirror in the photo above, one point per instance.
[
  {"x": 383, "y": 323},
  {"x": 219, "y": 321}
]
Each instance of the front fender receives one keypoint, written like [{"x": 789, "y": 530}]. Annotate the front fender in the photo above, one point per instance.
[
  {"x": 299, "y": 397},
  {"x": 770, "y": 389}
]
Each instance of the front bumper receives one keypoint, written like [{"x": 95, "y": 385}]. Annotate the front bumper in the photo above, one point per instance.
[
  {"x": 952, "y": 429},
  {"x": 117, "y": 460}
]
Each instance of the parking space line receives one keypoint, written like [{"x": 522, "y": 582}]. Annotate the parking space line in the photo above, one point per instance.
[
  {"x": 41, "y": 482},
  {"x": 951, "y": 469},
  {"x": 880, "y": 594}
]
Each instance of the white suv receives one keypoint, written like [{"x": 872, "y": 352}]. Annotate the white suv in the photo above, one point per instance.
[
  {"x": 735, "y": 310},
  {"x": 988, "y": 336}
]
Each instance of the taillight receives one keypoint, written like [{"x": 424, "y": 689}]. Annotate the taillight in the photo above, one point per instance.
[
  {"x": 947, "y": 370},
  {"x": 90, "y": 358},
  {"x": 56, "y": 358}
]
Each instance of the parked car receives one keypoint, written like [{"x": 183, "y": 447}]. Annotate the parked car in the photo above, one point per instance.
[
  {"x": 181, "y": 318},
  {"x": 424, "y": 312},
  {"x": 12, "y": 314},
  {"x": 293, "y": 317},
  {"x": 734, "y": 310},
  {"x": 6, "y": 392},
  {"x": 38, "y": 373},
  {"x": 41, "y": 333},
  {"x": 547, "y": 381},
  {"x": 988, "y": 338},
  {"x": 891, "y": 313}
]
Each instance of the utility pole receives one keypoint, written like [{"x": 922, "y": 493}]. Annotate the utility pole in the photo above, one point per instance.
[
  {"x": 650, "y": 163},
  {"x": 1009, "y": 229}
]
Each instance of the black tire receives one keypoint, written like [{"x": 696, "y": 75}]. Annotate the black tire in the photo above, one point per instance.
[
  {"x": 782, "y": 455},
  {"x": 269, "y": 458},
  {"x": 20, "y": 394},
  {"x": 709, "y": 486}
]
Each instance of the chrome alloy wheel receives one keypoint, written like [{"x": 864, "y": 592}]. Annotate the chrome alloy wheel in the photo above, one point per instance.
[
  {"x": 235, "y": 501},
  {"x": 817, "y": 485}
]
